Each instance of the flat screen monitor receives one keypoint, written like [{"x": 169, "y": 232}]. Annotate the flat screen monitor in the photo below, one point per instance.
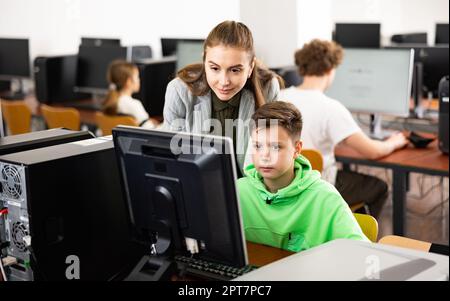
[
  {"x": 178, "y": 186},
  {"x": 14, "y": 58},
  {"x": 374, "y": 81},
  {"x": 358, "y": 35},
  {"x": 85, "y": 41},
  {"x": 441, "y": 34},
  {"x": 435, "y": 65},
  {"x": 189, "y": 52},
  {"x": 169, "y": 45},
  {"x": 93, "y": 64}
]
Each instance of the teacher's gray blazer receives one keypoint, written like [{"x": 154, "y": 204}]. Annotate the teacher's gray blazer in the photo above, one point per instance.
[{"x": 188, "y": 113}]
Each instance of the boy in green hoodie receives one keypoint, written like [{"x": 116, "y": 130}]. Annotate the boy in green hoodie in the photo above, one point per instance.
[{"x": 284, "y": 203}]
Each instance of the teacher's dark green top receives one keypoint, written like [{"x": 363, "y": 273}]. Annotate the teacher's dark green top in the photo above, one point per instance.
[{"x": 223, "y": 110}]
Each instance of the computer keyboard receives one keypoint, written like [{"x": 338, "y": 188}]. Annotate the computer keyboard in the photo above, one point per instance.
[{"x": 210, "y": 270}]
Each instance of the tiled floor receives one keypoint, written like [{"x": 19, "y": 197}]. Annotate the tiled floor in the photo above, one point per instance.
[{"x": 427, "y": 209}]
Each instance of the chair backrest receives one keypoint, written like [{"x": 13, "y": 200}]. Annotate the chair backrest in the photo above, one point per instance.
[
  {"x": 314, "y": 157},
  {"x": 17, "y": 116},
  {"x": 368, "y": 224},
  {"x": 405, "y": 242},
  {"x": 106, "y": 122},
  {"x": 290, "y": 76},
  {"x": 68, "y": 118}
]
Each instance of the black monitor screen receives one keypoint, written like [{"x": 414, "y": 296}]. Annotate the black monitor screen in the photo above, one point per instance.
[
  {"x": 435, "y": 62},
  {"x": 353, "y": 35},
  {"x": 14, "y": 58},
  {"x": 180, "y": 186},
  {"x": 155, "y": 76},
  {"x": 441, "y": 34},
  {"x": 99, "y": 42},
  {"x": 93, "y": 64},
  {"x": 169, "y": 45},
  {"x": 435, "y": 65}
]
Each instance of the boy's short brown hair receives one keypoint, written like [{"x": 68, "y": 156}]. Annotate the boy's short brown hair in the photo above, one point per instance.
[
  {"x": 318, "y": 57},
  {"x": 285, "y": 114}
]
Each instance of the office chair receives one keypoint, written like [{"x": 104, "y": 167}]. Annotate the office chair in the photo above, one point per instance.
[
  {"x": 17, "y": 116},
  {"x": 368, "y": 224},
  {"x": 107, "y": 122},
  {"x": 68, "y": 118},
  {"x": 290, "y": 76}
]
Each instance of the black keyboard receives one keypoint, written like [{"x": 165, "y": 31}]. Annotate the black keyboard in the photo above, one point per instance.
[{"x": 210, "y": 270}]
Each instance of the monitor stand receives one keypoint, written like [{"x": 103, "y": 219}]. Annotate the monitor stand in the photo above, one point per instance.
[
  {"x": 153, "y": 268},
  {"x": 376, "y": 132},
  {"x": 159, "y": 265}
]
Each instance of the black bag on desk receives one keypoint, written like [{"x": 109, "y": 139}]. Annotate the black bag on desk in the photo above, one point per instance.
[{"x": 443, "y": 115}]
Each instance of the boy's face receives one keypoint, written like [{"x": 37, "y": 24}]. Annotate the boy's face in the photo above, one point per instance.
[{"x": 274, "y": 151}]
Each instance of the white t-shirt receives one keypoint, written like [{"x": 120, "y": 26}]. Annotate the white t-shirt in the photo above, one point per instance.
[
  {"x": 326, "y": 122},
  {"x": 133, "y": 107}
]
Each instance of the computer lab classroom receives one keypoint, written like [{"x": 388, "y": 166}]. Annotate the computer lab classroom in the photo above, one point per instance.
[{"x": 107, "y": 175}]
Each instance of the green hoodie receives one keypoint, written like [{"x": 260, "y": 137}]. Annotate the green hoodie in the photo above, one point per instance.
[{"x": 306, "y": 213}]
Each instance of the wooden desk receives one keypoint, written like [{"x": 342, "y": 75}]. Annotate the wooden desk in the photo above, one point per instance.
[
  {"x": 260, "y": 255},
  {"x": 402, "y": 162}
]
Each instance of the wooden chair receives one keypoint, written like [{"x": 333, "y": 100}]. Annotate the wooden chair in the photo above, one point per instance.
[
  {"x": 106, "y": 122},
  {"x": 68, "y": 118},
  {"x": 17, "y": 116},
  {"x": 368, "y": 224},
  {"x": 314, "y": 157}
]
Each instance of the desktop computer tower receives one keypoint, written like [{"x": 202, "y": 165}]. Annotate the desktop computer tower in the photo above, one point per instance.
[
  {"x": 33, "y": 140},
  {"x": 68, "y": 199},
  {"x": 55, "y": 79},
  {"x": 29, "y": 141},
  {"x": 443, "y": 115}
]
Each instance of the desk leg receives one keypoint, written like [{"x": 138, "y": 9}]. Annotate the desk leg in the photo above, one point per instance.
[
  {"x": 398, "y": 200},
  {"x": 407, "y": 181},
  {"x": 346, "y": 167}
]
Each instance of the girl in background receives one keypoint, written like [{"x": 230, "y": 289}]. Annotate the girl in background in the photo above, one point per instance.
[{"x": 123, "y": 78}]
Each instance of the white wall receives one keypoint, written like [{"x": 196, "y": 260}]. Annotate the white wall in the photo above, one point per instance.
[
  {"x": 274, "y": 27},
  {"x": 55, "y": 26}
]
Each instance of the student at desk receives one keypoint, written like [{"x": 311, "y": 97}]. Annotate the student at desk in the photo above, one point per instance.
[
  {"x": 284, "y": 203},
  {"x": 123, "y": 78},
  {"x": 224, "y": 90},
  {"x": 328, "y": 123}
]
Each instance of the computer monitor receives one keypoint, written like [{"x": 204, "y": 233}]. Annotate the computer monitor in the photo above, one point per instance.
[
  {"x": 189, "y": 52},
  {"x": 99, "y": 42},
  {"x": 357, "y": 35},
  {"x": 14, "y": 64},
  {"x": 155, "y": 75},
  {"x": 169, "y": 45},
  {"x": 435, "y": 65},
  {"x": 92, "y": 67},
  {"x": 374, "y": 81},
  {"x": 441, "y": 34},
  {"x": 178, "y": 186}
]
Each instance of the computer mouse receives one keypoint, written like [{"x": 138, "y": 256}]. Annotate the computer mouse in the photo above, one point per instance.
[{"x": 419, "y": 141}]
